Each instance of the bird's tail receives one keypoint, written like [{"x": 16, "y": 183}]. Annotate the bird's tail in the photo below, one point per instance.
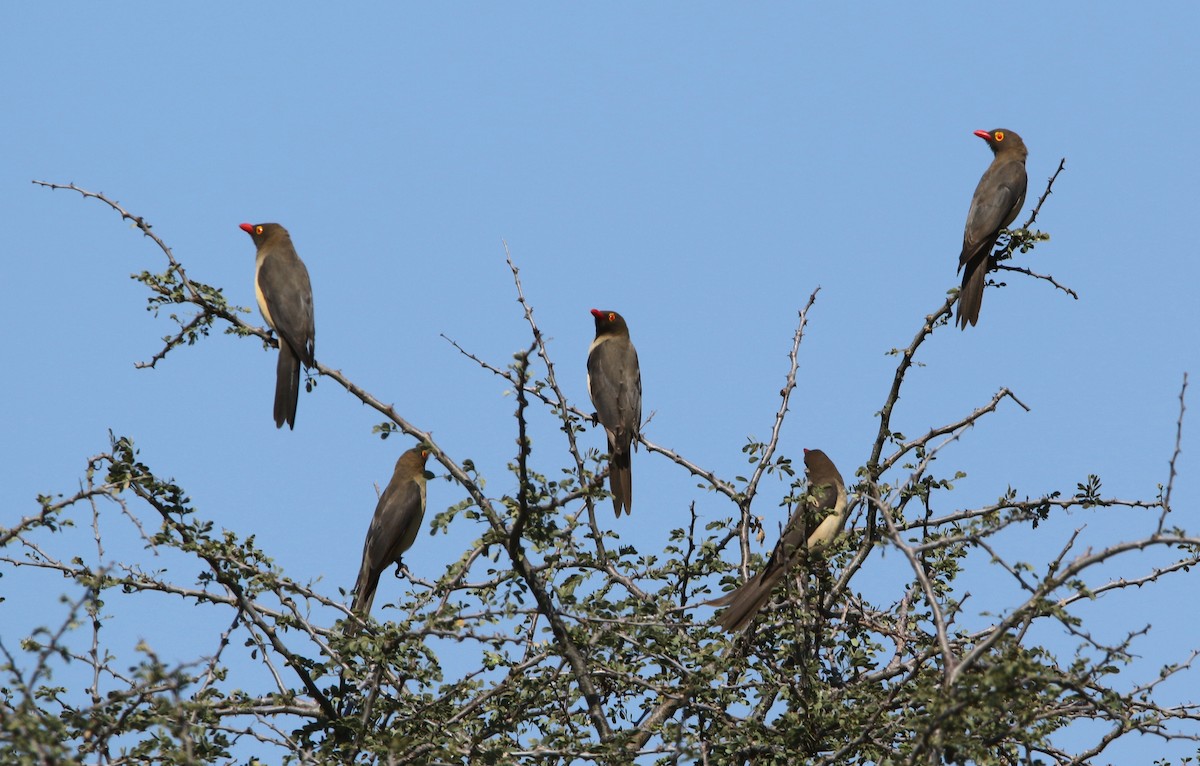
[
  {"x": 287, "y": 386},
  {"x": 744, "y": 602},
  {"x": 364, "y": 592},
  {"x": 620, "y": 477},
  {"x": 970, "y": 297}
]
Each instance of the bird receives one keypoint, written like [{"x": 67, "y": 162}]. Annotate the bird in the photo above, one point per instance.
[
  {"x": 997, "y": 201},
  {"x": 615, "y": 385},
  {"x": 285, "y": 299},
  {"x": 394, "y": 527},
  {"x": 813, "y": 525}
]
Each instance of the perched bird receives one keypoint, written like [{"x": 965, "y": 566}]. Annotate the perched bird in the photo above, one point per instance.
[
  {"x": 998, "y": 198},
  {"x": 813, "y": 525},
  {"x": 285, "y": 300},
  {"x": 397, "y": 520},
  {"x": 615, "y": 384}
]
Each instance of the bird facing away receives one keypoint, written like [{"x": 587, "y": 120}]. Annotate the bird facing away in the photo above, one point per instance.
[
  {"x": 397, "y": 520},
  {"x": 997, "y": 201},
  {"x": 285, "y": 300},
  {"x": 615, "y": 384},
  {"x": 813, "y": 525}
]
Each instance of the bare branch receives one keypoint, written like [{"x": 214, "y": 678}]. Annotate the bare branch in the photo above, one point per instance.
[
  {"x": 1031, "y": 273},
  {"x": 1166, "y": 502},
  {"x": 1033, "y": 214}
]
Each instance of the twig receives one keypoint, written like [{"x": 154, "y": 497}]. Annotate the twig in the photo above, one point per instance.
[
  {"x": 1033, "y": 214},
  {"x": 1035, "y": 275},
  {"x": 785, "y": 394},
  {"x": 523, "y": 446},
  {"x": 1166, "y": 503}
]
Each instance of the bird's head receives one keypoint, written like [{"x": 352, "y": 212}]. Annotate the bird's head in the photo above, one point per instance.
[
  {"x": 414, "y": 461},
  {"x": 609, "y": 323},
  {"x": 261, "y": 232},
  {"x": 1003, "y": 140},
  {"x": 815, "y": 459}
]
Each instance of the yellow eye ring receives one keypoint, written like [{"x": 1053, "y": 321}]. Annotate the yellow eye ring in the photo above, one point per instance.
[
  {"x": 258, "y": 230},
  {"x": 999, "y": 135}
]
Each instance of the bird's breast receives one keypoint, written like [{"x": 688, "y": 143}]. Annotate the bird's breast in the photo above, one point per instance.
[{"x": 258, "y": 294}]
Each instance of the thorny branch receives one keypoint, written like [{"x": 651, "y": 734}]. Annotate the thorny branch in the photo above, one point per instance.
[
  {"x": 1033, "y": 214},
  {"x": 1171, "y": 474}
]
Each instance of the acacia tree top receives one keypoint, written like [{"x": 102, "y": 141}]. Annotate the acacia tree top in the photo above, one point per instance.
[{"x": 552, "y": 637}]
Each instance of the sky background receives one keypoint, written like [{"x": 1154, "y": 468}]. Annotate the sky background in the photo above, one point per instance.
[{"x": 699, "y": 168}]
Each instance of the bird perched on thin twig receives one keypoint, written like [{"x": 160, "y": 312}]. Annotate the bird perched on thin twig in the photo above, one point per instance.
[
  {"x": 394, "y": 528},
  {"x": 615, "y": 384},
  {"x": 997, "y": 201},
  {"x": 286, "y": 302},
  {"x": 815, "y": 523}
]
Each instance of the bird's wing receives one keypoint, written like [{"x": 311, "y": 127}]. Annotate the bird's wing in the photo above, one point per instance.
[
  {"x": 284, "y": 283},
  {"x": 997, "y": 201},
  {"x": 397, "y": 520},
  {"x": 786, "y": 550}
]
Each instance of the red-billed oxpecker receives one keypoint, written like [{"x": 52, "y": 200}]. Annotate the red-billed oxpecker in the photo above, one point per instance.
[
  {"x": 286, "y": 302},
  {"x": 615, "y": 384},
  {"x": 997, "y": 201}
]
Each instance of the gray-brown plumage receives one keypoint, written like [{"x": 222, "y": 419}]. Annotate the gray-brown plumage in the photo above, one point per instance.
[
  {"x": 285, "y": 299},
  {"x": 814, "y": 524},
  {"x": 615, "y": 384},
  {"x": 397, "y": 520},
  {"x": 997, "y": 201}
]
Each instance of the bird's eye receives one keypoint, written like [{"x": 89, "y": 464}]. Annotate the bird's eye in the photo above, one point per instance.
[
  {"x": 612, "y": 317},
  {"x": 999, "y": 135},
  {"x": 258, "y": 230}
]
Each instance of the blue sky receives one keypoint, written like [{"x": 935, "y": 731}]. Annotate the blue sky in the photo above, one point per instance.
[{"x": 700, "y": 168}]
